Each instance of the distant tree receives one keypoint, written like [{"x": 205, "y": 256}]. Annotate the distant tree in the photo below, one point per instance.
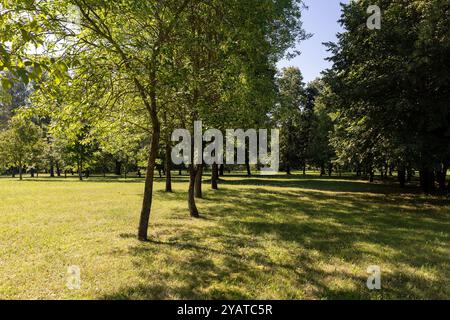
[
  {"x": 20, "y": 144},
  {"x": 288, "y": 114}
]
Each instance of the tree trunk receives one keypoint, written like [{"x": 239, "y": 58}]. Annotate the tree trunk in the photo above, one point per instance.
[
  {"x": 330, "y": 169},
  {"x": 58, "y": 169},
  {"x": 443, "y": 177},
  {"x": 247, "y": 162},
  {"x": 118, "y": 168},
  {"x": 168, "y": 164},
  {"x": 80, "y": 170},
  {"x": 427, "y": 179},
  {"x": 214, "y": 176},
  {"x": 288, "y": 168},
  {"x": 52, "y": 169},
  {"x": 198, "y": 182},
  {"x": 371, "y": 175},
  {"x": 20, "y": 171},
  {"x": 148, "y": 188},
  {"x": 191, "y": 194},
  {"x": 221, "y": 170}
]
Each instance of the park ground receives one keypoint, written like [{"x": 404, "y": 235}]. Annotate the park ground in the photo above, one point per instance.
[{"x": 259, "y": 238}]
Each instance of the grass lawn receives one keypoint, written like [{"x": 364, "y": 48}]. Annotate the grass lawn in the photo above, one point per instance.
[{"x": 259, "y": 237}]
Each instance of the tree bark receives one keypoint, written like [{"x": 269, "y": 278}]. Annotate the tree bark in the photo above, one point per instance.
[
  {"x": 168, "y": 164},
  {"x": 80, "y": 170},
  {"x": 191, "y": 194},
  {"x": 214, "y": 176},
  {"x": 148, "y": 187},
  {"x": 247, "y": 162},
  {"x": 20, "y": 171},
  {"x": 221, "y": 170},
  {"x": 198, "y": 182}
]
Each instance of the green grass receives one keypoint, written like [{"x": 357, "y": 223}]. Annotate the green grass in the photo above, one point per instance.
[{"x": 259, "y": 237}]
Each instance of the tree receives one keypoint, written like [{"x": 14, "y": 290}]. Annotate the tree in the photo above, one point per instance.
[
  {"x": 19, "y": 144},
  {"x": 392, "y": 93},
  {"x": 288, "y": 114}
]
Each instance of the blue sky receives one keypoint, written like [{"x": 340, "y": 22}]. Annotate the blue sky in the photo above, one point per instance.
[{"x": 321, "y": 21}]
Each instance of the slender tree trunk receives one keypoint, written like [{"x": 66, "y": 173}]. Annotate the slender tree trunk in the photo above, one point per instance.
[
  {"x": 149, "y": 177},
  {"x": 20, "y": 171},
  {"x": 58, "y": 169},
  {"x": 304, "y": 169},
  {"x": 247, "y": 162},
  {"x": 80, "y": 170},
  {"x": 52, "y": 169},
  {"x": 221, "y": 170},
  {"x": 198, "y": 182},
  {"x": 214, "y": 176},
  {"x": 330, "y": 169},
  {"x": 168, "y": 164},
  {"x": 191, "y": 194}
]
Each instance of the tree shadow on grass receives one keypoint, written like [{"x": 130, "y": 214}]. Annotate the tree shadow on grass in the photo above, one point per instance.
[{"x": 287, "y": 243}]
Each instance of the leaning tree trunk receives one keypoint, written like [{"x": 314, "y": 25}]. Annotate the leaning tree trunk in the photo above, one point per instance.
[
  {"x": 168, "y": 165},
  {"x": 214, "y": 176},
  {"x": 191, "y": 194},
  {"x": 149, "y": 177},
  {"x": 198, "y": 182},
  {"x": 148, "y": 188}
]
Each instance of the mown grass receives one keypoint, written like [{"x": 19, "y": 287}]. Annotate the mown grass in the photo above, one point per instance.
[{"x": 259, "y": 237}]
